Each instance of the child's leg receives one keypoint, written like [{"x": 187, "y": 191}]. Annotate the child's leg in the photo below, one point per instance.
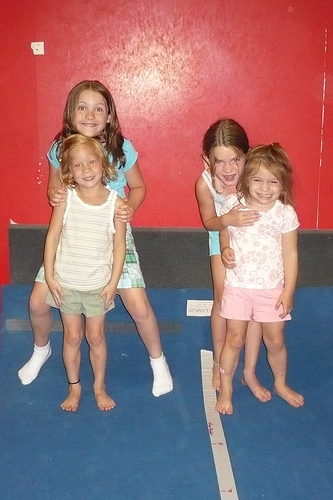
[
  {"x": 234, "y": 342},
  {"x": 98, "y": 356},
  {"x": 72, "y": 358},
  {"x": 277, "y": 358},
  {"x": 218, "y": 324},
  {"x": 251, "y": 353},
  {"x": 136, "y": 302},
  {"x": 41, "y": 322}
]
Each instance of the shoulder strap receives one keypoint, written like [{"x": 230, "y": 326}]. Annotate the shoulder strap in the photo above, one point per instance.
[
  {"x": 208, "y": 180},
  {"x": 112, "y": 198},
  {"x": 68, "y": 202}
]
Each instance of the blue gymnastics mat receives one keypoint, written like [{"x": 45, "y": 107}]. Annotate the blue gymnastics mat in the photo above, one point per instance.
[{"x": 158, "y": 448}]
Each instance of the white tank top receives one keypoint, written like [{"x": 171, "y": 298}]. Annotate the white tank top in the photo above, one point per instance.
[
  {"x": 219, "y": 199},
  {"x": 84, "y": 254}
]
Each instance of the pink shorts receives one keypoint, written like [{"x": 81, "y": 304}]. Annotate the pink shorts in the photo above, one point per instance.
[{"x": 244, "y": 304}]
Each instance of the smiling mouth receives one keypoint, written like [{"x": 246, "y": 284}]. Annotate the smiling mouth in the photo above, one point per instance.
[
  {"x": 265, "y": 196},
  {"x": 229, "y": 178}
]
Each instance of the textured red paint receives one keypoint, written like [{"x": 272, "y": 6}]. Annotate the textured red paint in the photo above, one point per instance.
[
  {"x": 18, "y": 126},
  {"x": 174, "y": 67}
]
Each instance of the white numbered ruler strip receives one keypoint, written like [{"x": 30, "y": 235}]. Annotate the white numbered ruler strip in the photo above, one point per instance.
[{"x": 225, "y": 477}]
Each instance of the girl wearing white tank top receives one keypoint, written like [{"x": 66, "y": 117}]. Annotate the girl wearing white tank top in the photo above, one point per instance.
[
  {"x": 84, "y": 257},
  {"x": 225, "y": 145}
]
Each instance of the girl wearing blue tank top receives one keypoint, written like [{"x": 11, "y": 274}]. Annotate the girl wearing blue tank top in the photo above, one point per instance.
[
  {"x": 90, "y": 110},
  {"x": 225, "y": 145}
]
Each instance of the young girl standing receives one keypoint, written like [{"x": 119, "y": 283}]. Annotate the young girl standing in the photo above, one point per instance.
[
  {"x": 84, "y": 258},
  {"x": 225, "y": 145},
  {"x": 90, "y": 110},
  {"x": 261, "y": 283}
]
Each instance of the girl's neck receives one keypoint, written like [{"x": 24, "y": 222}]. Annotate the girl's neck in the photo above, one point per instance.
[
  {"x": 221, "y": 188},
  {"x": 93, "y": 196}
]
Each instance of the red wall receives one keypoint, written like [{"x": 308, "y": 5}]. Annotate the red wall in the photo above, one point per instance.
[{"x": 174, "y": 67}]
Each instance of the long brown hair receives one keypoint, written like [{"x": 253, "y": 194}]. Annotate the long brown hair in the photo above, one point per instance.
[{"x": 111, "y": 136}]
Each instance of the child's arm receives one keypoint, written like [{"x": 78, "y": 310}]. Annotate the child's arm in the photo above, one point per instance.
[
  {"x": 136, "y": 195},
  {"x": 119, "y": 249},
  {"x": 290, "y": 264},
  {"x": 56, "y": 192},
  {"x": 227, "y": 253},
  {"x": 213, "y": 222},
  {"x": 209, "y": 219},
  {"x": 50, "y": 249}
]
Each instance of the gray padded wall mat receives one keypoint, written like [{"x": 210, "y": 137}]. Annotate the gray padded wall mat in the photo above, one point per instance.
[{"x": 172, "y": 257}]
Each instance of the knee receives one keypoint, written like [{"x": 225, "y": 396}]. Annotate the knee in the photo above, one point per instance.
[
  {"x": 37, "y": 305},
  {"x": 275, "y": 345},
  {"x": 235, "y": 341},
  {"x": 73, "y": 338},
  {"x": 96, "y": 338},
  {"x": 139, "y": 310}
]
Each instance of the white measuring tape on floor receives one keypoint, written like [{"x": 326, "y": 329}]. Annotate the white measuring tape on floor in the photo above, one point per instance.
[{"x": 223, "y": 467}]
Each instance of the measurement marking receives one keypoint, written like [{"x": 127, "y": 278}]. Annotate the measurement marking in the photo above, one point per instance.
[{"x": 225, "y": 477}]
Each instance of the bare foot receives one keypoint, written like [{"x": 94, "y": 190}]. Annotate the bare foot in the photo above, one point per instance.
[
  {"x": 103, "y": 400},
  {"x": 72, "y": 402},
  {"x": 292, "y": 397},
  {"x": 224, "y": 403},
  {"x": 259, "y": 391},
  {"x": 216, "y": 376}
]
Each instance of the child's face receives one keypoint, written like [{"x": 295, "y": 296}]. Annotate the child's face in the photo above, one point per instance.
[
  {"x": 91, "y": 114},
  {"x": 264, "y": 189},
  {"x": 228, "y": 166},
  {"x": 85, "y": 166}
]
